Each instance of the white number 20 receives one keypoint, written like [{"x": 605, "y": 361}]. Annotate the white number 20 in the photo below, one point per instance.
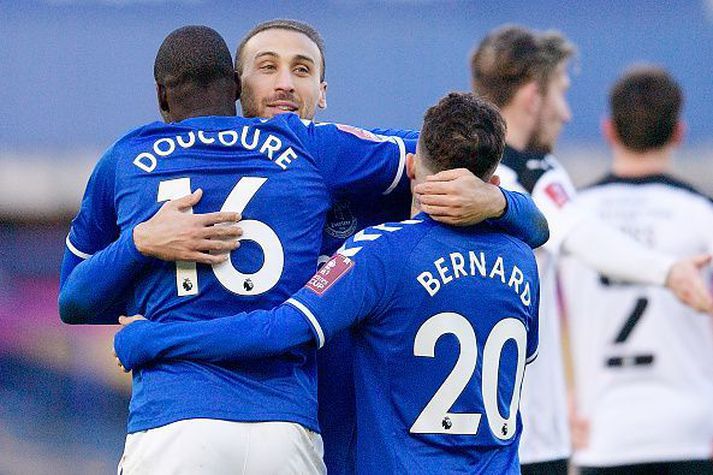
[
  {"x": 232, "y": 279},
  {"x": 435, "y": 418}
]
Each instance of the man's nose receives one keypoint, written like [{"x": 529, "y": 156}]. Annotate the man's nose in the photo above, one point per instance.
[{"x": 284, "y": 80}]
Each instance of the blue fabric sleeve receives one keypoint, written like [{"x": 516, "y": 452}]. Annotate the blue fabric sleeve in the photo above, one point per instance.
[
  {"x": 95, "y": 225},
  {"x": 403, "y": 133},
  {"x": 257, "y": 334},
  {"x": 349, "y": 290},
  {"x": 92, "y": 291},
  {"x": 339, "y": 295},
  {"x": 355, "y": 162},
  {"x": 93, "y": 229},
  {"x": 523, "y": 219}
]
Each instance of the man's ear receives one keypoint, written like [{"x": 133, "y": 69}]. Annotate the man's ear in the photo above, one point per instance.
[
  {"x": 162, "y": 98},
  {"x": 411, "y": 166},
  {"x": 322, "y": 102},
  {"x": 609, "y": 132},
  {"x": 679, "y": 132},
  {"x": 530, "y": 97},
  {"x": 494, "y": 180}
]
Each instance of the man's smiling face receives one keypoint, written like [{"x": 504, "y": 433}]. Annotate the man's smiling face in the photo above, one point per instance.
[{"x": 281, "y": 73}]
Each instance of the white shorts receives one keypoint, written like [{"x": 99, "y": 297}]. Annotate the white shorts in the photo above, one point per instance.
[{"x": 216, "y": 447}]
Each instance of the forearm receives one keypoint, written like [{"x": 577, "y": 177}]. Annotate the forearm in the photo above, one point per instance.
[
  {"x": 257, "y": 334},
  {"x": 616, "y": 255},
  {"x": 92, "y": 291},
  {"x": 523, "y": 219}
]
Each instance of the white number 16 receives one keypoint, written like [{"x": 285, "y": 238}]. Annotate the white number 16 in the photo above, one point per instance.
[{"x": 263, "y": 235}]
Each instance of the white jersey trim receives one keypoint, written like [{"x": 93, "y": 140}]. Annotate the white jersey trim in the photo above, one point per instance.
[
  {"x": 310, "y": 317},
  {"x": 76, "y": 251},
  {"x": 402, "y": 163},
  {"x": 533, "y": 356}
]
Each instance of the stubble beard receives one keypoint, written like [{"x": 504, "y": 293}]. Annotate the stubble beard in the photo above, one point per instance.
[{"x": 537, "y": 143}]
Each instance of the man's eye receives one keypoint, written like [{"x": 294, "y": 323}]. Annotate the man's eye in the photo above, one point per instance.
[
  {"x": 302, "y": 70},
  {"x": 267, "y": 67}
]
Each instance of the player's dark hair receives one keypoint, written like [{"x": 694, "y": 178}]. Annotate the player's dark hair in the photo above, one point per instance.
[
  {"x": 463, "y": 131},
  {"x": 282, "y": 24},
  {"x": 512, "y": 56},
  {"x": 645, "y": 107},
  {"x": 193, "y": 56}
]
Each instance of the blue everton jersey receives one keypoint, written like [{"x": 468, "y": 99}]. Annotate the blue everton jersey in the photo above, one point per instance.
[
  {"x": 335, "y": 373},
  {"x": 282, "y": 176},
  {"x": 444, "y": 321},
  {"x": 348, "y": 216}
]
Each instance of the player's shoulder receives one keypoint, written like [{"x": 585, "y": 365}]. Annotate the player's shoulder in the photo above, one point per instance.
[
  {"x": 489, "y": 239},
  {"x": 161, "y": 138},
  {"x": 305, "y": 131},
  {"x": 388, "y": 239},
  {"x": 527, "y": 168},
  {"x": 130, "y": 138},
  {"x": 333, "y": 130},
  {"x": 123, "y": 147},
  {"x": 493, "y": 236},
  {"x": 295, "y": 123},
  {"x": 666, "y": 182},
  {"x": 135, "y": 140},
  {"x": 289, "y": 120}
]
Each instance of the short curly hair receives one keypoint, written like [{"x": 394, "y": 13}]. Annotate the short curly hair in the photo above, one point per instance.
[
  {"x": 193, "y": 55},
  {"x": 463, "y": 131}
]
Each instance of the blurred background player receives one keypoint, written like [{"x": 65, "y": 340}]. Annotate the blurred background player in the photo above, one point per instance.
[
  {"x": 642, "y": 360},
  {"x": 470, "y": 291},
  {"x": 281, "y": 66},
  {"x": 524, "y": 72}
]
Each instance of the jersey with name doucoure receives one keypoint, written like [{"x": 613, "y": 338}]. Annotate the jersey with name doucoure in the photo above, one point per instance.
[{"x": 281, "y": 175}]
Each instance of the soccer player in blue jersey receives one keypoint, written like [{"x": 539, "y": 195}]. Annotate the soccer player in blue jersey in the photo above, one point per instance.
[
  {"x": 281, "y": 65},
  {"x": 234, "y": 161},
  {"x": 445, "y": 320},
  {"x": 280, "y": 175}
]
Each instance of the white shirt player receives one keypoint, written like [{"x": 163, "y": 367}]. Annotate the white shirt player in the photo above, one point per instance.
[
  {"x": 643, "y": 361},
  {"x": 544, "y": 400}
]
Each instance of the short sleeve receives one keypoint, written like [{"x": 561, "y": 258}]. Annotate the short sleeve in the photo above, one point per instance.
[
  {"x": 347, "y": 289},
  {"x": 354, "y": 161},
  {"x": 95, "y": 225}
]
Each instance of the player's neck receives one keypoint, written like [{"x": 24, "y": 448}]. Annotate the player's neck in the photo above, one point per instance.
[
  {"x": 420, "y": 174},
  {"x": 634, "y": 164},
  {"x": 518, "y": 134},
  {"x": 415, "y": 205},
  {"x": 204, "y": 110}
]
